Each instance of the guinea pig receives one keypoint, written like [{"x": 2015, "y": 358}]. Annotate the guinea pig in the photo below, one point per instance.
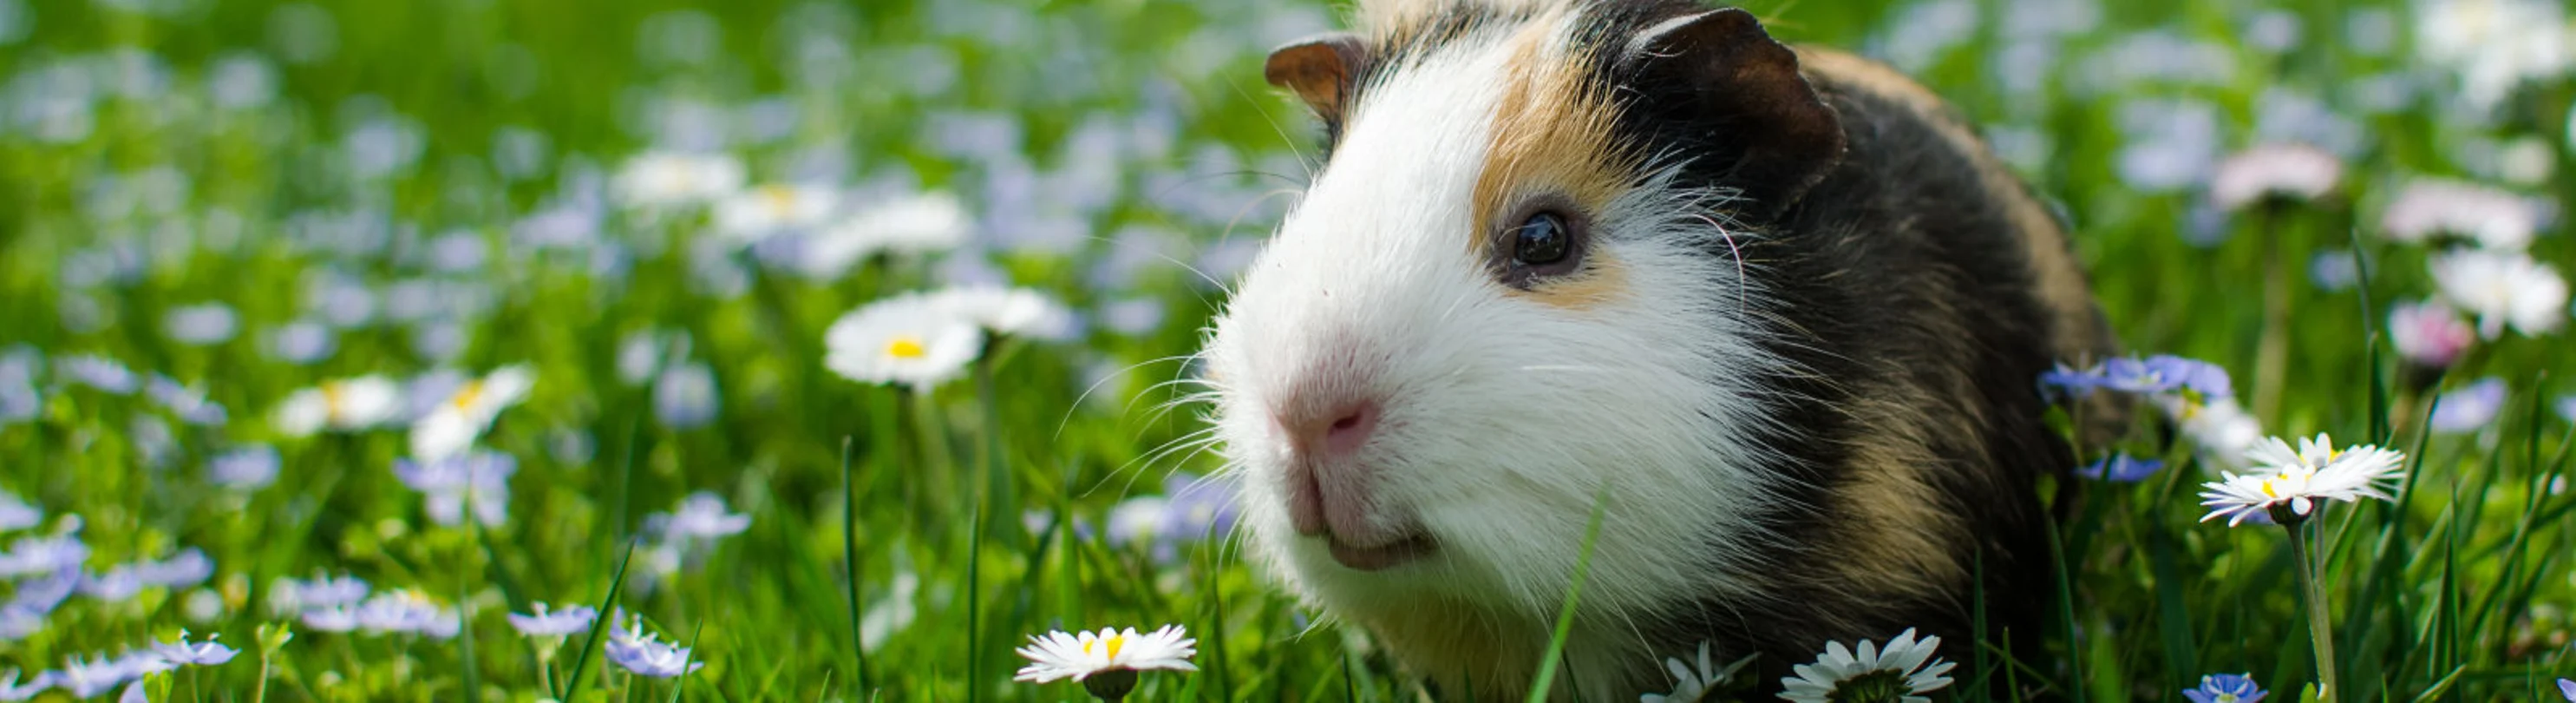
[{"x": 1778, "y": 311}]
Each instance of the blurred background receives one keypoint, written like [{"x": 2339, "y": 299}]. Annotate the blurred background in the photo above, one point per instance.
[{"x": 657, "y": 209}]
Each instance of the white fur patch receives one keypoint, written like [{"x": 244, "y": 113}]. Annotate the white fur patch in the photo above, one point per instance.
[{"x": 1503, "y": 417}]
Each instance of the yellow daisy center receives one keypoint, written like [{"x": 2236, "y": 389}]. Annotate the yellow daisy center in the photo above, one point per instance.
[
  {"x": 334, "y": 402},
  {"x": 466, "y": 396},
  {"x": 778, "y": 197},
  {"x": 905, "y": 346},
  {"x": 1113, "y": 643}
]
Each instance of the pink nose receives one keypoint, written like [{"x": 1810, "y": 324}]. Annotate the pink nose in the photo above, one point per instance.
[
  {"x": 1333, "y": 433},
  {"x": 1328, "y": 479}
]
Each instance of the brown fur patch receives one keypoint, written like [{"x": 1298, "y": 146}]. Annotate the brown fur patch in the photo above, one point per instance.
[
  {"x": 1900, "y": 539},
  {"x": 2077, "y": 334},
  {"x": 1551, "y": 138}
]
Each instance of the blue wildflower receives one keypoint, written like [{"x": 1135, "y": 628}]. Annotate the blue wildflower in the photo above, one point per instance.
[
  {"x": 643, "y": 653},
  {"x": 85, "y": 678},
  {"x": 246, "y": 468},
  {"x": 2120, "y": 468},
  {"x": 2469, "y": 408},
  {"x": 288, "y": 595},
  {"x": 187, "y": 568},
  {"x": 685, "y": 397},
  {"x": 207, "y": 653},
  {"x": 2069, "y": 382},
  {"x": 98, "y": 372},
  {"x": 18, "y": 514},
  {"x": 482, "y": 477},
  {"x": 1199, "y": 508},
  {"x": 43, "y": 555},
  {"x": 2226, "y": 688},
  {"x": 554, "y": 623},
  {"x": 120, "y": 584},
  {"x": 188, "y": 403},
  {"x": 12, "y": 690},
  {"x": 2567, "y": 688}
]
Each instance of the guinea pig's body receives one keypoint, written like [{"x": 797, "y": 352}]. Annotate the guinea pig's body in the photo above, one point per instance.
[{"x": 1778, "y": 312}]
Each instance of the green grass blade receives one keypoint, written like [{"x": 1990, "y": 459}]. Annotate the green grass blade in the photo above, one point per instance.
[
  {"x": 681, "y": 681},
  {"x": 1573, "y": 594},
  {"x": 599, "y": 628},
  {"x": 850, "y": 557},
  {"x": 2066, "y": 610},
  {"x": 974, "y": 606}
]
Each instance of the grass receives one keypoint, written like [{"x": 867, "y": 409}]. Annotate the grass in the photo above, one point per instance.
[{"x": 968, "y": 516}]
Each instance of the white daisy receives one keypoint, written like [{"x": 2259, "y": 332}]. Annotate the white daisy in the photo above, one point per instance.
[
  {"x": 2219, "y": 428},
  {"x": 2502, "y": 288},
  {"x": 1018, "y": 312},
  {"x": 345, "y": 405},
  {"x": 912, "y": 339},
  {"x": 453, "y": 426},
  {"x": 769, "y": 210},
  {"x": 2432, "y": 207},
  {"x": 1690, "y": 683},
  {"x": 914, "y": 224},
  {"x": 1903, "y": 671},
  {"x": 2316, "y": 471},
  {"x": 2292, "y": 171},
  {"x": 1081, "y": 655},
  {"x": 667, "y": 179}
]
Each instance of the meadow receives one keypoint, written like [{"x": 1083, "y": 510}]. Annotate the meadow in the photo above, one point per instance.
[{"x": 347, "y": 332}]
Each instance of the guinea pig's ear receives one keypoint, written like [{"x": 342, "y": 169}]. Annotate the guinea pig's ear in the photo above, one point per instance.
[
  {"x": 1736, "y": 76},
  {"x": 1319, "y": 70}
]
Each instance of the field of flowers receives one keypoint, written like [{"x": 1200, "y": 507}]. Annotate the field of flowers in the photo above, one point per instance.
[{"x": 370, "y": 350}]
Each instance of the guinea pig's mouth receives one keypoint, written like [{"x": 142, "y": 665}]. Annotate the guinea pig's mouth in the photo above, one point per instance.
[{"x": 1382, "y": 557}]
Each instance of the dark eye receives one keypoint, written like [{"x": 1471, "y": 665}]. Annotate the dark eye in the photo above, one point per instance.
[{"x": 1541, "y": 241}]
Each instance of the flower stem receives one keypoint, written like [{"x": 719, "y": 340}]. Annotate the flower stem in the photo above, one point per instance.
[
  {"x": 2320, "y": 628},
  {"x": 260, "y": 693},
  {"x": 2272, "y": 350}
]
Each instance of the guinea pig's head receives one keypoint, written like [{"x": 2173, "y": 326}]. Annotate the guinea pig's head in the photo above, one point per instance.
[{"x": 1514, "y": 290}]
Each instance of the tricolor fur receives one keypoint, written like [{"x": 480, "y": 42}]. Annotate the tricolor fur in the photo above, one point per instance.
[{"x": 1795, "y": 358}]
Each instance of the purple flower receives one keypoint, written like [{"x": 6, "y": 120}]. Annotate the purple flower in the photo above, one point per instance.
[
  {"x": 644, "y": 654},
  {"x": 190, "y": 404},
  {"x": 554, "y": 623},
  {"x": 85, "y": 678},
  {"x": 97, "y": 372},
  {"x": 40, "y": 596},
  {"x": 2469, "y": 408},
  {"x": 118, "y": 585},
  {"x": 1200, "y": 508},
  {"x": 338, "y": 618},
  {"x": 324, "y": 591},
  {"x": 12, "y": 690},
  {"x": 206, "y": 653},
  {"x": 2160, "y": 374},
  {"x": 17, "y": 514},
  {"x": 701, "y": 516},
  {"x": 43, "y": 555},
  {"x": 406, "y": 612},
  {"x": 187, "y": 568},
  {"x": 2567, "y": 688},
  {"x": 2226, "y": 688},
  {"x": 2120, "y": 468},
  {"x": 138, "y": 664},
  {"x": 482, "y": 477},
  {"x": 247, "y": 468},
  {"x": 685, "y": 397},
  {"x": 16, "y": 624}
]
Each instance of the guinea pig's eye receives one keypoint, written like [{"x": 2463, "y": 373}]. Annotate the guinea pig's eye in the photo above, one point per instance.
[{"x": 1543, "y": 240}]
